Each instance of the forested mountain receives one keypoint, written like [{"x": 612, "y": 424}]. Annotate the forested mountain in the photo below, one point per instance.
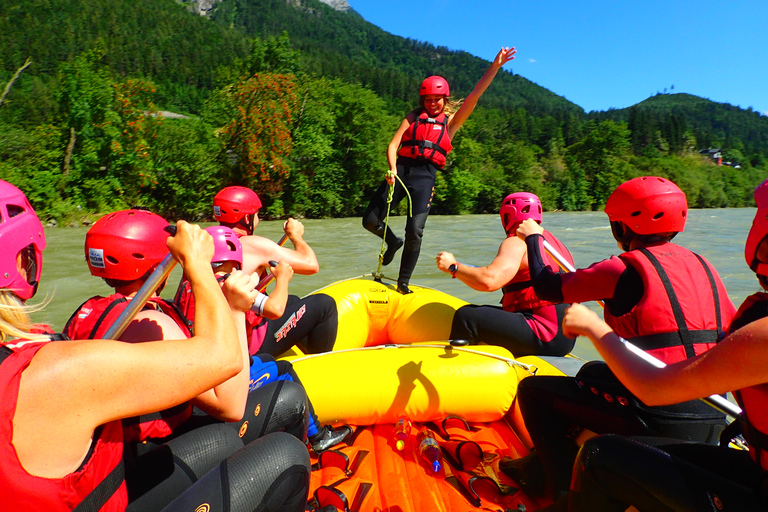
[{"x": 298, "y": 101}]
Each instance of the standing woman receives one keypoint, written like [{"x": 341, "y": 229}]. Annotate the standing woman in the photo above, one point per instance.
[{"x": 417, "y": 150}]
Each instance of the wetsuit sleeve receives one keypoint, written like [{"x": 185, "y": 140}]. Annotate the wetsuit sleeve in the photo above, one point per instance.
[{"x": 546, "y": 283}]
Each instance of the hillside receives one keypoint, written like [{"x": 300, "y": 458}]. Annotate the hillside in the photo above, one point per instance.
[
  {"x": 298, "y": 101},
  {"x": 344, "y": 45}
]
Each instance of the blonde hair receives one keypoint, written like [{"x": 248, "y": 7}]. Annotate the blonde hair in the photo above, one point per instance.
[
  {"x": 452, "y": 105},
  {"x": 14, "y": 318}
]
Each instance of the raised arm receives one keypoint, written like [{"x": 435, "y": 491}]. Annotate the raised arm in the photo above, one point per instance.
[
  {"x": 502, "y": 269},
  {"x": 80, "y": 385},
  {"x": 258, "y": 251},
  {"x": 737, "y": 362},
  {"x": 505, "y": 55}
]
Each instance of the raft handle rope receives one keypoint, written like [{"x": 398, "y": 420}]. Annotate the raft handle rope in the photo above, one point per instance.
[
  {"x": 390, "y": 194},
  {"x": 531, "y": 369},
  {"x": 716, "y": 401}
]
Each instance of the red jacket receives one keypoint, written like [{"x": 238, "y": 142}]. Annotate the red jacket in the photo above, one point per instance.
[
  {"x": 518, "y": 292},
  {"x": 91, "y": 320},
  {"x": 427, "y": 138},
  {"x": 22, "y": 491},
  {"x": 685, "y": 307}
]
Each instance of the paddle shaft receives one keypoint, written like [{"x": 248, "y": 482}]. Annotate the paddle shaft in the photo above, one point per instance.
[
  {"x": 716, "y": 401},
  {"x": 264, "y": 281}
]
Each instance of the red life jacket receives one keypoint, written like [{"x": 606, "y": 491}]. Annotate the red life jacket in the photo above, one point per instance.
[
  {"x": 91, "y": 320},
  {"x": 427, "y": 138},
  {"x": 519, "y": 294},
  {"x": 102, "y": 469},
  {"x": 684, "y": 309},
  {"x": 255, "y": 325}
]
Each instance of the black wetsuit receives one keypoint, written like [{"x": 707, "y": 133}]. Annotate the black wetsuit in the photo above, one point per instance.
[
  {"x": 158, "y": 473},
  {"x": 310, "y": 322},
  {"x": 419, "y": 178}
]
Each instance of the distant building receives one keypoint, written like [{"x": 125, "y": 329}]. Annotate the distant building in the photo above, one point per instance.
[{"x": 715, "y": 154}]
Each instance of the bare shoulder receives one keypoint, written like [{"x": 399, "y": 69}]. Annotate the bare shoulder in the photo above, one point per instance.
[{"x": 151, "y": 325}]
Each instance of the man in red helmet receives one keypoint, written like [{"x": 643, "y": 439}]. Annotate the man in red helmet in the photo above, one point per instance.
[
  {"x": 524, "y": 324},
  {"x": 310, "y": 322},
  {"x": 661, "y": 297}
]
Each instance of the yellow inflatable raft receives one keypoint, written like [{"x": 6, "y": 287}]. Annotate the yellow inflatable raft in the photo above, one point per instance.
[{"x": 390, "y": 361}]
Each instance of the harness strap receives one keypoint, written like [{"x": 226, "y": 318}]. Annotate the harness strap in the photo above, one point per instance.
[
  {"x": 516, "y": 286},
  {"x": 101, "y": 494},
  {"x": 422, "y": 144},
  {"x": 98, "y": 323},
  {"x": 715, "y": 293},
  {"x": 672, "y": 339},
  {"x": 683, "y": 333}
]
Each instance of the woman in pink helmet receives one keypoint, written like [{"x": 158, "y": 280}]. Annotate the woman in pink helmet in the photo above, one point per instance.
[
  {"x": 658, "y": 295},
  {"x": 524, "y": 324},
  {"x": 417, "y": 151},
  {"x": 613, "y": 473},
  {"x": 61, "y": 434}
]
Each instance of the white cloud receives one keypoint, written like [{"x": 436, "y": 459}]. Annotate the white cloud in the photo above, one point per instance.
[{"x": 532, "y": 61}]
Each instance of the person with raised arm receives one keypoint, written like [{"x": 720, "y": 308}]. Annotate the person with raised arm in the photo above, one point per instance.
[
  {"x": 417, "y": 151},
  {"x": 310, "y": 322},
  {"x": 61, "y": 438},
  {"x": 524, "y": 324}
]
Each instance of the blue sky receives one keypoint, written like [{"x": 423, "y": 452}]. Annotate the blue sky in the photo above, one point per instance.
[{"x": 603, "y": 54}]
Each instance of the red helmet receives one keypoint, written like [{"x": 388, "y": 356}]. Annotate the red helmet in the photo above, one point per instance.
[
  {"x": 226, "y": 245},
  {"x": 517, "y": 207},
  {"x": 648, "y": 205},
  {"x": 758, "y": 231},
  {"x": 232, "y": 204},
  {"x": 126, "y": 245},
  {"x": 434, "y": 85},
  {"x": 20, "y": 233}
]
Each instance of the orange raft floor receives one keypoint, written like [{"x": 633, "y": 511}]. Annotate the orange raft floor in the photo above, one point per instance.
[{"x": 370, "y": 474}]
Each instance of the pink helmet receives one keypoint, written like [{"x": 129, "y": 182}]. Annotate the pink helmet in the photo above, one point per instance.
[
  {"x": 648, "y": 205},
  {"x": 434, "y": 85},
  {"x": 126, "y": 245},
  {"x": 517, "y": 207},
  {"x": 20, "y": 233},
  {"x": 232, "y": 204},
  {"x": 758, "y": 231},
  {"x": 226, "y": 245}
]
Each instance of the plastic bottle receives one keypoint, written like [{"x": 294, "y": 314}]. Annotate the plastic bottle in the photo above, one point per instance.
[
  {"x": 402, "y": 431},
  {"x": 430, "y": 449}
]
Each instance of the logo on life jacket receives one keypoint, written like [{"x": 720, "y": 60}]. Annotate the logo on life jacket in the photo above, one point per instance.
[
  {"x": 96, "y": 257},
  {"x": 84, "y": 313},
  {"x": 291, "y": 323}
]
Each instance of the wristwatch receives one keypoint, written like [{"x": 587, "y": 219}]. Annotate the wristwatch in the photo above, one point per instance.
[{"x": 453, "y": 268}]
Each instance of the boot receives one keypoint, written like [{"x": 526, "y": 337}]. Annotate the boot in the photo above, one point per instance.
[
  {"x": 328, "y": 437},
  {"x": 528, "y": 472},
  {"x": 392, "y": 248},
  {"x": 402, "y": 287}
]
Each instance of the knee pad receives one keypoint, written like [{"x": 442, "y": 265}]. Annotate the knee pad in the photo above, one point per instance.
[{"x": 278, "y": 406}]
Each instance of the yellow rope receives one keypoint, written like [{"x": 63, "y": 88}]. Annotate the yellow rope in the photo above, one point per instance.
[{"x": 390, "y": 195}]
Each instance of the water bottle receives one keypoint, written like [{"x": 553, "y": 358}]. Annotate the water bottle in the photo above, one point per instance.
[
  {"x": 429, "y": 449},
  {"x": 402, "y": 431}
]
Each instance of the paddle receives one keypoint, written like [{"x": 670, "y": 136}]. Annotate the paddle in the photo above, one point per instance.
[
  {"x": 716, "y": 401},
  {"x": 142, "y": 296}
]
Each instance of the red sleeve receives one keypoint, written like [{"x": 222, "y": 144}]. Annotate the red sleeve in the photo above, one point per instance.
[{"x": 597, "y": 282}]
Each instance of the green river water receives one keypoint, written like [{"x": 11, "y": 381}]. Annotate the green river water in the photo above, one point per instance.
[{"x": 345, "y": 250}]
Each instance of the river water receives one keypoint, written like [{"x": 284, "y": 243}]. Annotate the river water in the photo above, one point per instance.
[{"x": 345, "y": 250}]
